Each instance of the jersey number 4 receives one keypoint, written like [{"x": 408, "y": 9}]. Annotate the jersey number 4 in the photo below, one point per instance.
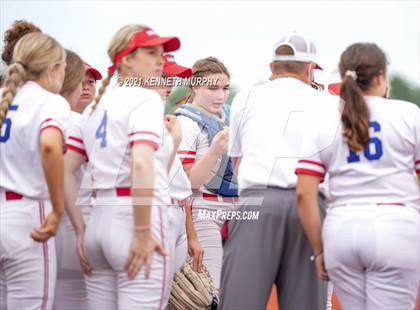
[
  {"x": 373, "y": 151},
  {"x": 101, "y": 131},
  {"x": 7, "y": 125}
]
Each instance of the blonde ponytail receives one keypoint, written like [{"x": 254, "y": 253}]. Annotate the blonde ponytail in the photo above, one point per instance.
[
  {"x": 101, "y": 91},
  {"x": 32, "y": 56},
  {"x": 15, "y": 76}
]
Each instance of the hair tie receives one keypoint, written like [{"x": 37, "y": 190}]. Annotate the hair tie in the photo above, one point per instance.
[
  {"x": 21, "y": 63},
  {"x": 351, "y": 74}
]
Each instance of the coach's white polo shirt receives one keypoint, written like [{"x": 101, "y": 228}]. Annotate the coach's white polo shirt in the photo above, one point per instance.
[{"x": 267, "y": 126}]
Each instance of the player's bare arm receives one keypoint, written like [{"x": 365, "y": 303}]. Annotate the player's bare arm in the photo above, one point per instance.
[
  {"x": 143, "y": 244},
  {"x": 72, "y": 163},
  {"x": 51, "y": 141},
  {"x": 307, "y": 205},
  {"x": 173, "y": 126},
  {"x": 195, "y": 250}
]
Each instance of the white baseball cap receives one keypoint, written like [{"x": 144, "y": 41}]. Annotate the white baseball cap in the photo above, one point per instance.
[{"x": 304, "y": 50}]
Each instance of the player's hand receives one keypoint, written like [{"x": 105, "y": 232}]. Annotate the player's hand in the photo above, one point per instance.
[
  {"x": 143, "y": 246},
  {"x": 84, "y": 263},
  {"x": 174, "y": 127},
  {"x": 320, "y": 267},
  {"x": 48, "y": 229},
  {"x": 196, "y": 251},
  {"x": 219, "y": 145}
]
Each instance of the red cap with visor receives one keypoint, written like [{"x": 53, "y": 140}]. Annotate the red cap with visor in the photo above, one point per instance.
[
  {"x": 171, "y": 68},
  {"x": 145, "y": 38},
  {"x": 96, "y": 74}
]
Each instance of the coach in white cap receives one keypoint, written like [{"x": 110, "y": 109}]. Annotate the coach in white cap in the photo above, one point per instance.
[{"x": 268, "y": 123}]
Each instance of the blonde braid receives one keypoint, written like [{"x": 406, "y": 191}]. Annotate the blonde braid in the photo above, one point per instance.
[
  {"x": 101, "y": 91},
  {"x": 15, "y": 76}
]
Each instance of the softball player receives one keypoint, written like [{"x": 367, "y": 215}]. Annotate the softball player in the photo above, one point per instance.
[
  {"x": 180, "y": 186},
  {"x": 88, "y": 88},
  {"x": 202, "y": 149},
  {"x": 16, "y": 31},
  {"x": 128, "y": 148},
  {"x": 33, "y": 119},
  {"x": 372, "y": 160},
  {"x": 70, "y": 292}
]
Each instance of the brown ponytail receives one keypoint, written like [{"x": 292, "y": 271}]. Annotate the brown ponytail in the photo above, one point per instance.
[
  {"x": 18, "y": 29},
  {"x": 75, "y": 71},
  {"x": 359, "y": 64}
]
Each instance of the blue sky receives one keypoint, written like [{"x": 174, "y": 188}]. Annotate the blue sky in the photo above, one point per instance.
[{"x": 240, "y": 33}]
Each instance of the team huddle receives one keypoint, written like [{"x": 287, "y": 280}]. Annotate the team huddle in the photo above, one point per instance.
[{"x": 103, "y": 195}]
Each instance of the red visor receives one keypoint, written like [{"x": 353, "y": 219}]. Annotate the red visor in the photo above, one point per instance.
[
  {"x": 145, "y": 38},
  {"x": 334, "y": 88},
  {"x": 318, "y": 67},
  {"x": 96, "y": 74},
  {"x": 171, "y": 68}
]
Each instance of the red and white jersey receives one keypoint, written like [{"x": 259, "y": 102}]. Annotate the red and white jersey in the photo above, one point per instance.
[
  {"x": 83, "y": 174},
  {"x": 179, "y": 184},
  {"x": 33, "y": 109},
  {"x": 124, "y": 117},
  {"x": 385, "y": 172},
  {"x": 194, "y": 144}
]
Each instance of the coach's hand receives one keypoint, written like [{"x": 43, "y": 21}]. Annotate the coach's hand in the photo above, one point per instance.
[
  {"x": 196, "y": 251},
  {"x": 84, "y": 263},
  {"x": 143, "y": 246},
  {"x": 320, "y": 267},
  {"x": 48, "y": 229}
]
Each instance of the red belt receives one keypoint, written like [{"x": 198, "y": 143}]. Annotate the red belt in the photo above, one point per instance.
[
  {"x": 391, "y": 204},
  {"x": 13, "y": 196},
  {"x": 214, "y": 197},
  {"x": 123, "y": 191}
]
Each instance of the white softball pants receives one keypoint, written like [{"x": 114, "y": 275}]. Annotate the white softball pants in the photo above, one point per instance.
[
  {"x": 209, "y": 235},
  {"x": 28, "y": 267},
  {"x": 372, "y": 255},
  {"x": 177, "y": 242},
  {"x": 70, "y": 289},
  {"x": 107, "y": 243}
]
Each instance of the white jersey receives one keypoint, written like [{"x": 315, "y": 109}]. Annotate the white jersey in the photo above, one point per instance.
[
  {"x": 124, "y": 117},
  {"x": 33, "y": 109},
  {"x": 194, "y": 144},
  {"x": 385, "y": 172},
  {"x": 179, "y": 184},
  {"x": 267, "y": 124},
  {"x": 83, "y": 175}
]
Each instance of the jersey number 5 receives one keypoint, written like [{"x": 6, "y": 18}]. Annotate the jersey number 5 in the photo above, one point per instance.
[
  {"x": 101, "y": 131},
  {"x": 7, "y": 125},
  {"x": 373, "y": 151}
]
